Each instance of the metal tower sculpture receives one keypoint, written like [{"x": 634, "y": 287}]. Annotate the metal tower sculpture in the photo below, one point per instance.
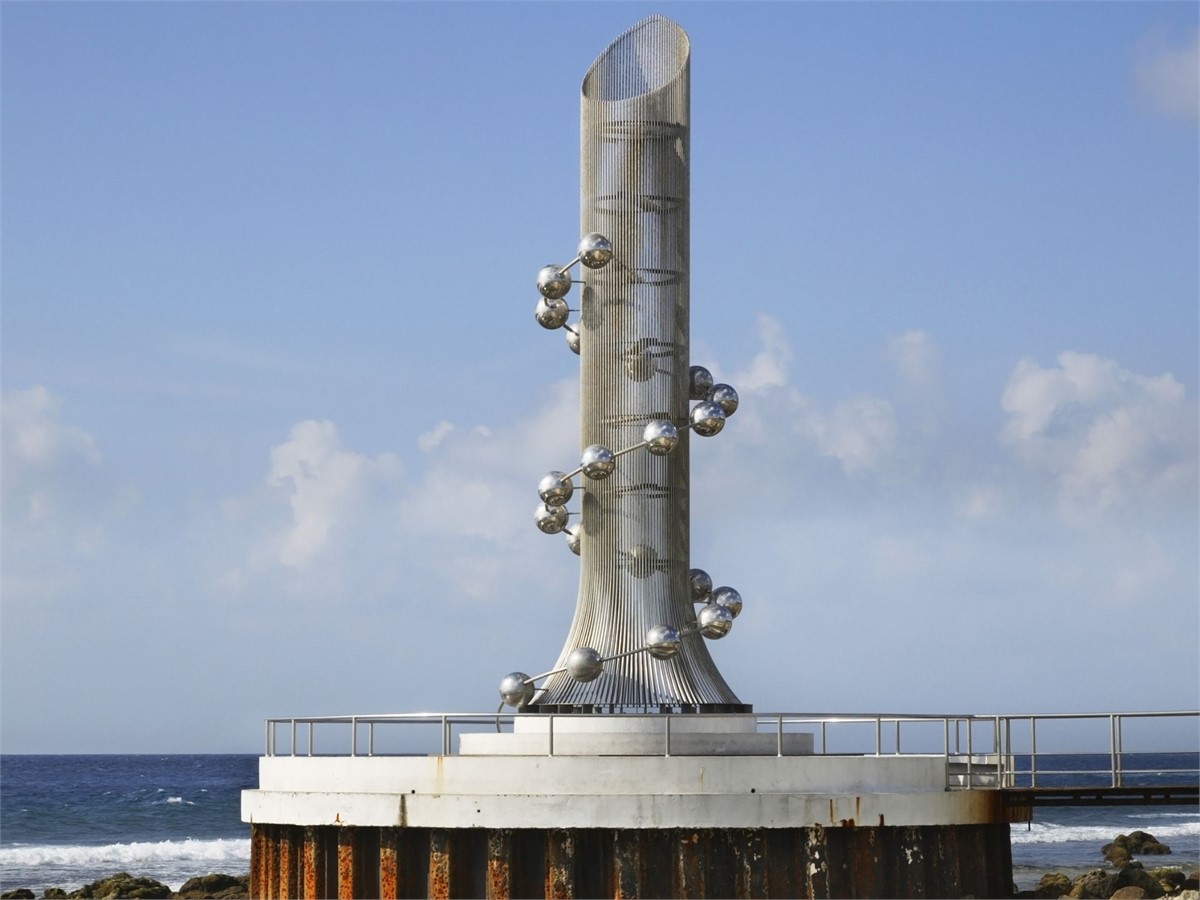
[{"x": 637, "y": 639}]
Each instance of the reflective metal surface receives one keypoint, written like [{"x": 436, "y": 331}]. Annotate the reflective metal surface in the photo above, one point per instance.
[
  {"x": 573, "y": 339},
  {"x": 714, "y": 621},
  {"x": 597, "y": 462},
  {"x": 725, "y": 397},
  {"x": 595, "y": 250},
  {"x": 584, "y": 664},
  {"x": 574, "y": 540},
  {"x": 700, "y": 382},
  {"x": 701, "y": 585},
  {"x": 550, "y": 519},
  {"x": 551, "y": 313},
  {"x": 635, "y": 369},
  {"x": 516, "y": 689},
  {"x": 660, "y": 436},
  {"x": 555, "y": 488},
  {"x": 552, "y": 283},
  {"x": 729, "y": 598},
  {"x": 663, "y": 641},
  {"x": 708, "y": 418}
]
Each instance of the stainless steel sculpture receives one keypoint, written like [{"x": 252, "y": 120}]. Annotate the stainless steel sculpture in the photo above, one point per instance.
[{"x": 636, "y": 641}]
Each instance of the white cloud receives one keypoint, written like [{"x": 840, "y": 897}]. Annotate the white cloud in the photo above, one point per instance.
[
  {"x": 916, "y": 358},
  {"x": 769, "y": 367},
  {"x": 41, "y": 454},
  {"x": 433, "y": 438},
  {"x": 1104, "y": 433},
  {"x": 326, "y": 487},
  {"x": 858, "y": 432},
  {"x": 1168, "y": 76}
]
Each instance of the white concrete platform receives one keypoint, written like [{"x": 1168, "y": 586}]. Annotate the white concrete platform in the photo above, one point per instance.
[{"x": 509, "y": 791}]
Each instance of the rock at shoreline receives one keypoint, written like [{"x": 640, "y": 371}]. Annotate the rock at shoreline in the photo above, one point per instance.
[
  {"x": 1094, "y": 885},
  {"x": 124, "y": 885},
  {"x": 218, "y": 887},
  {"x": 1052, "y": 886},
  {"x": 1135, "y": 876},
  {"x": 1136, "y": 843}
]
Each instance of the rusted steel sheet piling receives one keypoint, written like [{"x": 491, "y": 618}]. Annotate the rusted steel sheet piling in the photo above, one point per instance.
[{"x": 846, "y": 861}]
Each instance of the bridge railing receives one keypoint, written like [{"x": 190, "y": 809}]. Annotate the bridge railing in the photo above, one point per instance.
[{"x": 1039, "y": 750}]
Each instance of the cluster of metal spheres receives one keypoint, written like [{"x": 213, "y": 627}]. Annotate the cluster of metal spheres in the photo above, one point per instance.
[
  {"x": 714, "y": 620},
  {"x": 554, "y": 282},
  {"x": 659, "y": 437}
]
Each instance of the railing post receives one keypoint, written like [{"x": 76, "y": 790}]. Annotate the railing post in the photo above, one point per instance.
[
  {"x": 667, "y": 731},
  {"x": 998, "y": 745},
  {"x": 445, "y": 737},
  {"x": 878, "y": 734},
  {"x": 897, "y": 736},
  {"x": 779, "y": 735},
  {"x": 267, "y": 739},
  {"x": 1033, "y": 751},
  {"x": 310, "y": 738},
  {"x": 354, "y": 736},
  {"x": 550, "y": 735},
  {"x": 370, "y": 739},
  {"x": 823, "y": 723},
  {"x": 970, "y": 753},
  {"x": 293, "y": 737},
  {"x": 1112, "y": 750}
]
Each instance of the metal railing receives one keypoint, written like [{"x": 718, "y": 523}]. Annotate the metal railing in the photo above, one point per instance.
[{"x": 980, "y": 751}]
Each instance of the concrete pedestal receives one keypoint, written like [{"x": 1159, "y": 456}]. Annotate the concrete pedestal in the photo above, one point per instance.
[{"x": 505, "y": 818}]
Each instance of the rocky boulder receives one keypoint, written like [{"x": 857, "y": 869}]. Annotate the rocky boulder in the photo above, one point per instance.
[
  {"x": 219, "y": 886},
  {"x": 1052, "y": 886},
  {"x": 123, "y": 885},
  {"x": 1136, "y": 843},
  {"x": 1135, "y": 876},
  {"x": 1094, "y": 885}
]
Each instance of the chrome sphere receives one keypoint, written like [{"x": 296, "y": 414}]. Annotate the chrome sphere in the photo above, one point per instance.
[
  {"x": 516, "y": 689},
  {"x": 701, "y": 584},
  {"x": 725, "y": 396},
  {"x": 660, "y": 437},
  {"x": 555, "y": 488},
  {"x": 714, "y": 621},
  {"x": 597, "y": 462},
  {"x": 551, "y": 313},
  {"x": 708, "y": 418},
  {"x": 550, "y": 519},
  {"x": 700, "y": 382},
  {"x": 574, "y": 340},
  {"x": 584, "y": 664},
  {"x": 553, "y": 283},
  {"x": 729, "y": 598},
  {"x": 574, "y": 539},
  {"x": 662, "y": 641},
  {"x": 595, "y": 250}
]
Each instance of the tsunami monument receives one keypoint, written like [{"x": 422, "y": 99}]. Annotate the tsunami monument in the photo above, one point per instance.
[{"x": 629, "y": 767}]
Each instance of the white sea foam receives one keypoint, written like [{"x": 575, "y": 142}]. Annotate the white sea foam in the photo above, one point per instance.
[
  {"x": 226, "y": 850},
  {"x": 1050, "y": 833}
]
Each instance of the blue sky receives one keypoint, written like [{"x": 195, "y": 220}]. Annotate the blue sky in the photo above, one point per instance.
[{"x": 275, "y": 405}]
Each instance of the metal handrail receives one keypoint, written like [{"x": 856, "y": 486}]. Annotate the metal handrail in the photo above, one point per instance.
[{"x": 993, "y": 763}]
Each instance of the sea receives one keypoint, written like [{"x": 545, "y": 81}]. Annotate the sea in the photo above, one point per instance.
[{"x": 66, "y": 821}]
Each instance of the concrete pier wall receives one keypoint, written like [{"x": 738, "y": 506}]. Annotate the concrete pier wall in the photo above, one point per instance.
[{"x": 872, "y": 861}]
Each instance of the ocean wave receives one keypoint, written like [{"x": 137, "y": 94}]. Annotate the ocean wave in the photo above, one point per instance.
[
  {"x": 223, "y": 850},
  {"x": 1049, "y": 833},
  {"x": 174, "y": 800}
]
